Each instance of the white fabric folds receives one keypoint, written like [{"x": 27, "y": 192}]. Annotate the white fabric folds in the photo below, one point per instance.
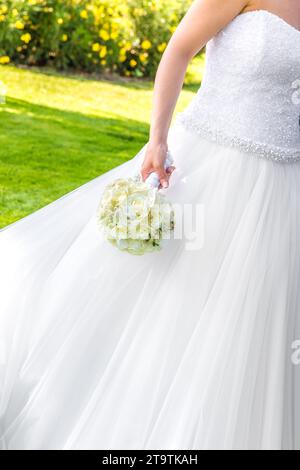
[{"x": 182, "y": 349}]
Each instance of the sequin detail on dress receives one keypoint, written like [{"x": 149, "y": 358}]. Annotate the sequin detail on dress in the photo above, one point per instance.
[{"x": 250, "y": 94}]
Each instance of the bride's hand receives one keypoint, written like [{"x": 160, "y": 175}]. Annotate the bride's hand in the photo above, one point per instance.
[{"x": 154, "y": 161}]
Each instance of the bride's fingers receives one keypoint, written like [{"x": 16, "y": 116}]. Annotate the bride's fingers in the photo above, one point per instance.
[
  {"x": 163, "y": 174},
  {"x": 163, "y": 177},
  {"x": 170, "y": 170},
  {"x": 145, "y": 172}
]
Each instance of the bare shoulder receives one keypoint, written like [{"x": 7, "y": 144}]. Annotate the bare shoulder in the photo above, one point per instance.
[
  {"x": 226, "y": 9},
  {"x": 220, "y": 11},
  {"x": 203, "y": 20}
]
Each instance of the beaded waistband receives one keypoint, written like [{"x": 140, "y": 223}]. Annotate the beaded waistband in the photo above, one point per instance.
[{"x": 262, "y": 150}]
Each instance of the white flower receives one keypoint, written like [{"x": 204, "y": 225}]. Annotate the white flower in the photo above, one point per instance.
[{"x": 135, "y": 217}]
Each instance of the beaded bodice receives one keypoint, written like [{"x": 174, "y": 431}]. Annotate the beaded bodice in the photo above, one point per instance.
[{"x": 250, "y": 94}]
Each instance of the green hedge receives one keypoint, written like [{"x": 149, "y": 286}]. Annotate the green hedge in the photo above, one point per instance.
[{"x": 127, "y": 37}]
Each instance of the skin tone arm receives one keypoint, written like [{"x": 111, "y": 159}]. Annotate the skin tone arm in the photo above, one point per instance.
[{"x": 204, "y": 19}]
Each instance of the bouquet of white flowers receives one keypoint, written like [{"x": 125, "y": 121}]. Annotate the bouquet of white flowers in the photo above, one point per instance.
[{"x": 134, "y": 216}]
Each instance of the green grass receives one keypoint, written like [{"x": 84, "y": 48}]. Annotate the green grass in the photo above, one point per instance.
[{"x": 60, "y": 131}]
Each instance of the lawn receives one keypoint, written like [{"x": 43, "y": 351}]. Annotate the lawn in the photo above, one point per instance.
[{"x": 60, "y": 131}]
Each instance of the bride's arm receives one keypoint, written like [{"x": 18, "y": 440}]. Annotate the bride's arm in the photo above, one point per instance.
[{"x": 202, "y": 21}]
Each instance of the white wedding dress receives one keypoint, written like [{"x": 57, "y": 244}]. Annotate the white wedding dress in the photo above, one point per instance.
[{"x": 185, "y": 348}]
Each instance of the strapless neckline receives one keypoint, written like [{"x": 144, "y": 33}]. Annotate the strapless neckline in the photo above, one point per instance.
[
  {"x": 250, "y": 92},
  {"x": 273, "y": 16}
]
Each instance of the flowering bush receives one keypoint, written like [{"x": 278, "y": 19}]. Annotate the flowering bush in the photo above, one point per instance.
[{"x": 124, "y": 36}]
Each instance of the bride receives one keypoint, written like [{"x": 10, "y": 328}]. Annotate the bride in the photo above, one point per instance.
[{"x": 196, "y": 346}]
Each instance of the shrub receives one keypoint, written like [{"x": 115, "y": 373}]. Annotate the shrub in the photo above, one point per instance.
[{"x": 127, "y": 37}]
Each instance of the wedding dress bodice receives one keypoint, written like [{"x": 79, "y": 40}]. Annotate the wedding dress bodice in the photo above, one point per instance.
[{"x": 250, "y": 94}]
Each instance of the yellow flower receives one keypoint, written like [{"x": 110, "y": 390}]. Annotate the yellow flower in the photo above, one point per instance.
[
  {"x": 104, "y": 35},
  {"x": 84, "y": 14},
  {"x": 4, "y": 60},
  {"x": 103, "y": 52},
  {"x": 64, "y": 37},
  {"x": 146, "y": 44},
  {"x": 161, "y": 47},
  {"x": 60, "y": 21},
  {"x": 96, "y": 47},
  {"x": 122, "y": 58},
  {"x": 26, "y": 38},
  {"x": 143, "y": 57},
  {"x": 133, "y": 63},
  {"x": 15, "y": 12},
  {"x": 103, "y": 62},
  {"x": 3, "y": 9},
  {"x": 19, "y": 25},
  {"x": 139, "y": 12},
  {"x": 2, "y": 17},
  {"x": 114, "y": 35}
]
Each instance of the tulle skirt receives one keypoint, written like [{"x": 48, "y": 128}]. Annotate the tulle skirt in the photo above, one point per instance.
[{"x": 193, "y": 347}]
